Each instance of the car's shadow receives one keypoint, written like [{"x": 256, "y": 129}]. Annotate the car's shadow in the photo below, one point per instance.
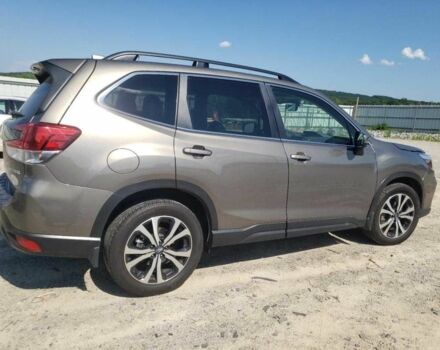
[
  {"x": 30, "y": 272},
  {"x": 253, "y": 251}
]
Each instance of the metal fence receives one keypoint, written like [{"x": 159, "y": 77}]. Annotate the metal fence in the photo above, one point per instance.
[
  {"x": 311, "y": 118},
  {"x": 405, "y": 118},
  {"x": 17, "y": 87}
]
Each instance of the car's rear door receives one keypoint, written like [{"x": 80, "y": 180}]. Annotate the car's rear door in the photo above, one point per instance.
[
  {"x": 330, "y": 187},
  {"x": 227, "y": 147}
]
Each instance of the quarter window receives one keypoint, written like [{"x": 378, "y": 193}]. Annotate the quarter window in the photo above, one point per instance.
[
  {"x": 305, "y": 118},
  {"x": 227, "y": 106},
  {"x": 148, "y": 96}
]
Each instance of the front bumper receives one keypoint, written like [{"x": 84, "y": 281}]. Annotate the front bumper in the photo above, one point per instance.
[
  {"x": 51, "y": 245},
  {"x": 429, "y": 187}
]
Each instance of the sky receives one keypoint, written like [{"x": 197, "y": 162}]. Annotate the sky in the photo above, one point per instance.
[{"x": 381, "y": 47}]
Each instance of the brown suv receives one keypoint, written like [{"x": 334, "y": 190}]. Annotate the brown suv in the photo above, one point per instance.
[{"x": 150, "y": 163}]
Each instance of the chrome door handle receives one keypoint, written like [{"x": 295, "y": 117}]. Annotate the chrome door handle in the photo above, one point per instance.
[
  {"x": 300, "y": 157},
  {"x": 197, "y": 151}
]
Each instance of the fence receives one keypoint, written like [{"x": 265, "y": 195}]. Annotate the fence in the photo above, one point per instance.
[
  {"x": 406, "y": 118},
  {"x": 17, "y": 87},
  {"x": 309, "y": 117}
]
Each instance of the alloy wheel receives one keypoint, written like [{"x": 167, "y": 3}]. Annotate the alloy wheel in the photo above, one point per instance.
[
  {"x": 158, "y": 250},
  {"x": 396, "y": 215}
]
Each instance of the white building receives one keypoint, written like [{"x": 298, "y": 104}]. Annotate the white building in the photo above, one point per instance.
[{"x": 17, "y": 87}]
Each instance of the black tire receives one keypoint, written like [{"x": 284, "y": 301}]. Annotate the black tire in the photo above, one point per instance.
[
  {"x": 120, "y": 231},
  {"x": 375, "y": 233}
]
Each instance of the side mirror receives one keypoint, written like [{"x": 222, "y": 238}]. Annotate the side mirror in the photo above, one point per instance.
[{"x": 359, "y": 143}]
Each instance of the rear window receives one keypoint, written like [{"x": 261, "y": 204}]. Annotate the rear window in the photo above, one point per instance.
[
  {"x": 44, "y": 94},
  {"x": 148, "y": 96},
  {"x": 35, "y": 101}
]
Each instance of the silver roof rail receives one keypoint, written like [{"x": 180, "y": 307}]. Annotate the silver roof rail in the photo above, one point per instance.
[{"x": 196, "y": 62}]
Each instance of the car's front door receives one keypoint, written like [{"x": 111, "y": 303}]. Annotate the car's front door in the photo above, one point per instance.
[
  {"x": 227, "y": 146},
  {"x": 330, "y": 187}
]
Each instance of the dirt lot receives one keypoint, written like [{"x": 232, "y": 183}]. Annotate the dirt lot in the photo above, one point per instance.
[{"x": 332, "y": 291}]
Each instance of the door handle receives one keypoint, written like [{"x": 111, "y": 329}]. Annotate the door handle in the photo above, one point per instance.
[
  {"x": 197, "y": 151},
  {"x": 300, "y": 157}
]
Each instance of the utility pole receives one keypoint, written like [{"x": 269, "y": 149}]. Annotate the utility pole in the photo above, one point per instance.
[{"x": 355, "y": 109}]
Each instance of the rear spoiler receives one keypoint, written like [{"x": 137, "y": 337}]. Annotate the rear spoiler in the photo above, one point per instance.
[{"x": 42, "y": 70}]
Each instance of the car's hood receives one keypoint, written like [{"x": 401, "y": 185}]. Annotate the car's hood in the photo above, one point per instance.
[{"x": 408, "y": 148}]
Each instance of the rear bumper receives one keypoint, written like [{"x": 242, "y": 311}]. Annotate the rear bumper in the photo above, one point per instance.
[{"x": 51, "y": 245}]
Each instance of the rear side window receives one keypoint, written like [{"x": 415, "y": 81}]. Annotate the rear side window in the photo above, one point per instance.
[
  {"x": 227, "y": 106},
  {"x": 148, "y": 96}
]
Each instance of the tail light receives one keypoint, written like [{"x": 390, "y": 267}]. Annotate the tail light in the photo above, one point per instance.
[
  {"x": 38, "y": 142},
  {"x": 29, "y": 245}
]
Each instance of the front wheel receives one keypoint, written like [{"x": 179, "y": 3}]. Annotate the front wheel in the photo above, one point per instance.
[
  {"x": 153, "y": 247},
  {"x": 396, "y": 214}
]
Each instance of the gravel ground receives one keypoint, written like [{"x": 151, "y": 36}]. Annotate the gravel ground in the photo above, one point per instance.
[{"x": 326, "y": 291}]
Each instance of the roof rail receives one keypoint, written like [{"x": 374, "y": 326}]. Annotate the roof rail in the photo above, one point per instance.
[{"x": 196, "y": 62}]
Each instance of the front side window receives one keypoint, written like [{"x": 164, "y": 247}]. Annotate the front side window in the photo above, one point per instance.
[
  {"x": 148, "y": 96},
  {"x": 13, "y": 106},
  {"x": 2, "y": 106},
  {"x": 18, "y": 105},
  {"x": 307, "y": 119},
  {"x": 227, "y": 106}
]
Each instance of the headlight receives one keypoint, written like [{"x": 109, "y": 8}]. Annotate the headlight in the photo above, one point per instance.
[{"x": 427, "y": 158}]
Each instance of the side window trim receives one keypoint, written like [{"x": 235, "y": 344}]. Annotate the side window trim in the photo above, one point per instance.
[
  {"x": 184, "y": 118},
  {"x": 275, "y": 132},
  {"x": 101, "y": 95},
  {"x": 334, "y": 113}
]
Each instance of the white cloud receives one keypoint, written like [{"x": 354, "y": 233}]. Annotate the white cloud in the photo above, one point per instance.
[
  {"x": 386, "y": 62},
  {"x": 225, "y": 44},
  {"x": 365, "y": 59},
  {"x": 412, "y": 54}
]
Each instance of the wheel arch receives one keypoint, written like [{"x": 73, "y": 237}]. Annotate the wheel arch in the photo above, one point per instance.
[
  {"x": 408, "y": 178},
  {"x": 186, "y": 193}
]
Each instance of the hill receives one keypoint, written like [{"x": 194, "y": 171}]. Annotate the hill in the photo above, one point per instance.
[
  {"x": 27, "y": 75},
  {"x": 347, "y": 98}
]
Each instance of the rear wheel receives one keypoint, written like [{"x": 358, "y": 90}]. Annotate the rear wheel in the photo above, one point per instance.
[
  {"x": 153, "y": 247},
  {"x": 396, "y": 214}
]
